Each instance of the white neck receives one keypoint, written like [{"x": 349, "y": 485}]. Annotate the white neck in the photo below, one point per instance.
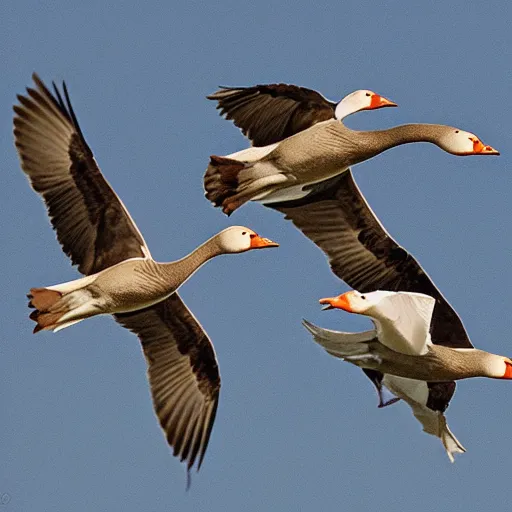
[{"x": 347, "y": 106}]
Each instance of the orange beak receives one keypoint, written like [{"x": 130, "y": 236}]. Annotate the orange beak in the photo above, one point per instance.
[
  {"x": 340, "y": 302},
  {"x": 257, "y": 242},
  {"x": 378, "y": 101},
  {"x": 508, "y": 371},
  {"x": 480, "y": 149}
]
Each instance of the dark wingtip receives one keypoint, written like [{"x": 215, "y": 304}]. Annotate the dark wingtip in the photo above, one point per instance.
[{"x": 37, "y": 80}]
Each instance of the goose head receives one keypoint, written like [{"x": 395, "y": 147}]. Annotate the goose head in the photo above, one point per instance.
[
  {"x": 499, "y": 367},
  {"x": 236, "y": 239},
  {"x": 462, "y": 143},
  {"x": 355, "y": 302},
  {"x": 361, "y": 100}
]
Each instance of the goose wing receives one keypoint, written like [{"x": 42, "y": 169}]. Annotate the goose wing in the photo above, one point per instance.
[
  {"x": 183, "y": 374},
  {"x": 272, "y": 112},
  {"x": 337, "y": 218},
  {"x": 93, "y": 227},
  {"x": 407, "y": 317}
]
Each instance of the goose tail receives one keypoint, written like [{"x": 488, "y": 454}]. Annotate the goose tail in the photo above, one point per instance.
[
  {"x": 221, "y": 179},
  {"x": 46, "y": 312},
  {"x": 55, "y": 310}
]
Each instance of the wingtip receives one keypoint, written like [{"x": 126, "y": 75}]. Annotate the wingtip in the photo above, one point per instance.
[
  {"x": 36, "y": 78},
  {"x": 312, "y": 328}
]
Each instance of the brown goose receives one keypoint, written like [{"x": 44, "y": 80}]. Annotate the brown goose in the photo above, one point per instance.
[
  {"x": 270, "y": 113},
  {"x": 98, "y": 234},
  {"x": 400, "y": 347},
  {"x": 336, "y": 217},
  {"x": 325, "y": 150}
]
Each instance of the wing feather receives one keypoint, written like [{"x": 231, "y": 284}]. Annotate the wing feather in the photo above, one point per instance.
[
  {"x": 183, "y": 374},
  {"x": 270, "y": 113}
]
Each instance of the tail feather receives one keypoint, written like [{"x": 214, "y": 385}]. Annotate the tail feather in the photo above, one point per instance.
[
  {"x": 45, "y": 321},
  {"x": 46, "y": 314},
  {"x": 43, "y": 298},
  {"x": 340, "y": 344},
  {"x": 221, "y": 178}
]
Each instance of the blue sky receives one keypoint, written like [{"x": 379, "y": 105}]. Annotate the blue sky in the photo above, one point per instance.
[{"x": 295, "y": 429}]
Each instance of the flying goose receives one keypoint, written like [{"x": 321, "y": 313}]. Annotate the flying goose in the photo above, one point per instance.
[
  {"x": 336, "y": 217},
  {"x": 289, "y": 168},
  {"x": 269, "y": 113},
  {"x": 400, "y": 347},
  {"x": 98, "y": 234}
]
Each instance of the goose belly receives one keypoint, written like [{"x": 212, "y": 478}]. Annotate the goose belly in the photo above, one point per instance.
[
  {"x": 407, "y": 389},
  {"x": 292, "y": 192},
  {"x": 132, "y": 285},
  {"x": 316, "y": 154}
]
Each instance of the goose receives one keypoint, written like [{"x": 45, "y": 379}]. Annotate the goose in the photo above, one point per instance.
[
  {"x": 336, "y": 217},
  {"x": 269, "y": 113},
  {"x": 121, "y": 278},
  {"x": 400, "y": 347},
  {"x": 316, "y": 154}
]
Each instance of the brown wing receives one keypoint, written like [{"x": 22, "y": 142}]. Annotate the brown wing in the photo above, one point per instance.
[
  {"x": 183, "y": 374},
  {"x": 270, "y": 113},
  {"x": 92, "y": 224},
  {"x": 337, "y": 218}
]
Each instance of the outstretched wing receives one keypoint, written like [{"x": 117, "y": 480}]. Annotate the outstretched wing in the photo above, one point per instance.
[
  {"x": 92, "y": 224},
  {"x": 337, "y": 218},
  {"x": 270, "y": 113},
  {"x": 183, "y": 374}
]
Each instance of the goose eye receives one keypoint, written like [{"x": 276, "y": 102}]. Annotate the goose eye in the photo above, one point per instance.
[
  {"x": 457, "y": 131},
  {"x": 244, "y": 232},
  {"x": 368, "y": 94},
  {"x": 363, "y": 297}
]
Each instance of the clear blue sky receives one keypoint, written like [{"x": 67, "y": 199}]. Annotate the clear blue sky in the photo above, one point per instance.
[{"x": 296, "y": 429}]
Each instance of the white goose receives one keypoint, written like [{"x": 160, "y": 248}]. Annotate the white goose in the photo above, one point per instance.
[
  {"x": 400, "y": 347},
  {"x": 98, "y": 234}
]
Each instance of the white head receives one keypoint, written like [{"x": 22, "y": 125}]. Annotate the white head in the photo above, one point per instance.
[
  {"x": 498, "y": 367},
  {"x": 355, "y": 302},
  {"x": 360, "y": 100},
  {"x": 461, "y": 143},
  {"x": 237, "y": 239}
]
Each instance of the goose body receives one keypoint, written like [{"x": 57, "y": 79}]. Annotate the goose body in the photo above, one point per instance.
[
  {"x": 400, "y": 348},
  {"x": 121, "y": 278},
  {"x": 316, "y": 154},
  {"x": 132, "y": 284}
]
